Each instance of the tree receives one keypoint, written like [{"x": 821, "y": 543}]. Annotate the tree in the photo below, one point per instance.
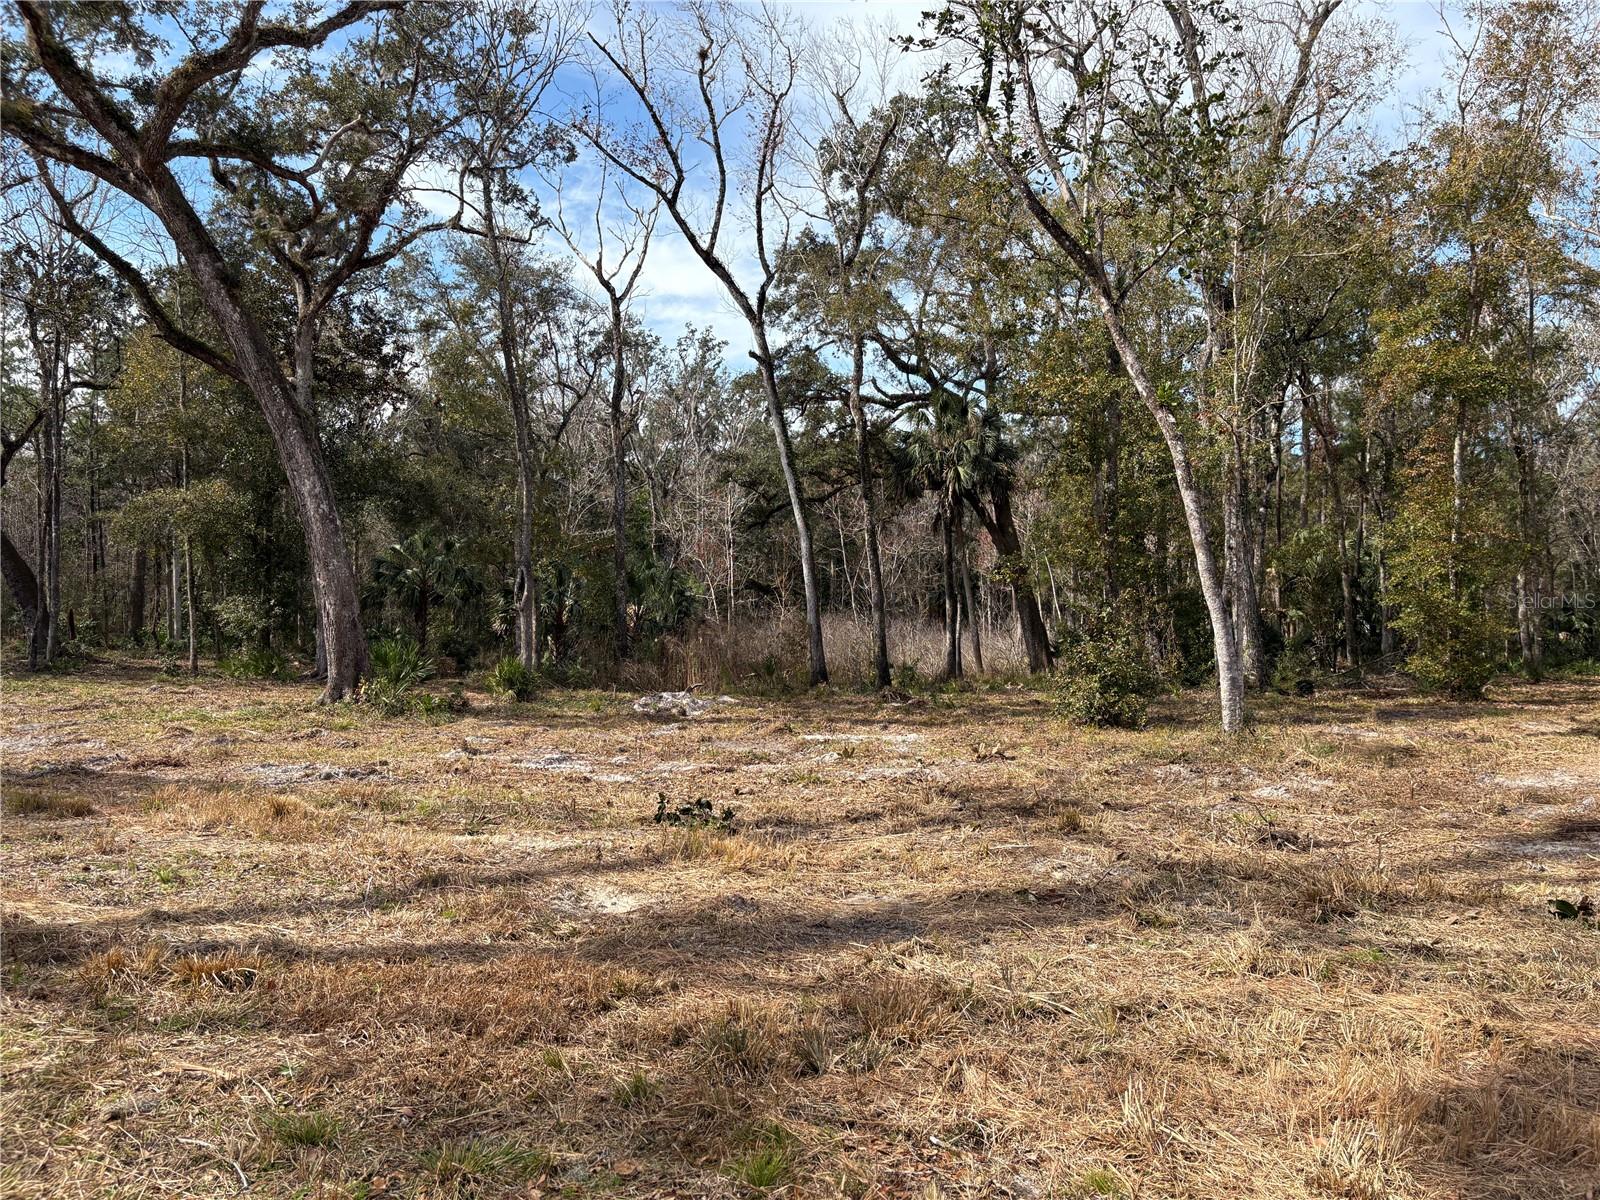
[
  {"x": 839, "y": 277},
  {"x": 20, "y": 577},
  {"x": 617, "y": 279},
  {"x": 515, "y": 51},
  {"x": 694, "y": 78},
  {"x": 69, "y": 106},
  {"x": 1103, "y": 125}
]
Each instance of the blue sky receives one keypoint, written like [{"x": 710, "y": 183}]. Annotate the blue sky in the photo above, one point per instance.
[{"x": 676, "y": 289}]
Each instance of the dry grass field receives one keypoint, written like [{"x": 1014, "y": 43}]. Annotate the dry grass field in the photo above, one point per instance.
[{"x": 956, "y": 947}]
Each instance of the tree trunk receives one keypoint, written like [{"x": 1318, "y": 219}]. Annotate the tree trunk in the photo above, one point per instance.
[
  {"x": 619, "y": 486},
  {"x": 293, "y": 430},
  {"x": 1001, "y": 526},
  {"x": 1230, "y": 667},
  {"x": 1240, "y": 568},
  {"x": 1385, "y": 616},
  {"x": 188, "y": 595},
  {"x": 966, "y": 587},
  {"x": 24, "y": 587},
  {"x": 869, "y": 501},
  {"x": 50, "y": 438},
  {"x": 797, "y": 504},
  {"x": 1110, "y": 499},
  {"x": 1305, "y": 461},
  {"x": 136, "y": 596},
  {"x": 525, "y": 590},
  {"x": 1331, "y": 457},
  {"x": 1458, "y": 492},
  {"x": 952, "y": 607},
  {"x": 1528, "y": 646}
]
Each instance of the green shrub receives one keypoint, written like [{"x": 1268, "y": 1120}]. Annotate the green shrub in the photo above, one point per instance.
[
  {"x": 399, "y": 669},
  {"x": 1460, "y": 647},
  {"x": 513, "y": 680},
  {"x": 1296, "y": 669},
  {"x": 244, "y": 616},
  {"x": 1448, "y": 555},
  {"x": 1106, "y": 678},
  {"x": 400, "y": 661},
  {"x": 259, "y": 662},
  {"x": 907, "y": 678}
]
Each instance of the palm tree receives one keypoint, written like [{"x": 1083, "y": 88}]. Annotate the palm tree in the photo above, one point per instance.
[
  {"x": 421, "y": 573},
  {"x": 951, "y": 447}
]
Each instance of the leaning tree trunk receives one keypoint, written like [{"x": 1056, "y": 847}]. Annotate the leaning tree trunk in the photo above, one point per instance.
[
  {"x": 293, "y": 432},
  {"x": 869, "y": 504},
  {"x": 1001, "y": 526},
  {"x": 797, "y": 503},
  {"x": 1230, "y": 668}
]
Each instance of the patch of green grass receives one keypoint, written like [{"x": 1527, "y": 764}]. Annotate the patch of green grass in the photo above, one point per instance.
[
  {"x": 633, "y": 1091},
  {"x": 313, "y": 1128},
  {"x": 482, "y": 1160},
  {"x": 1364, "y": 956},
  {"x": 769, "y": 1160},
  {"x": 1100, "y": 1182},
  {"x": 205, "y": 1018},
  {"x": 760, "y": 1169}
]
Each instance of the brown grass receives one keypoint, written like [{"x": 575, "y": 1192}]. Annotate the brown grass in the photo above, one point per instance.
[
  {"x": 951, "y": 948},
  {"x": 43, "y": 804}
]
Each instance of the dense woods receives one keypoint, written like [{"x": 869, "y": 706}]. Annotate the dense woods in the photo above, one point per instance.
[{"x": 1144, "y": 344}]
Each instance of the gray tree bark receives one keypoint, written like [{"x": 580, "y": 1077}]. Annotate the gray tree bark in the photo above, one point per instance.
[{"x": 869, "y": 504}]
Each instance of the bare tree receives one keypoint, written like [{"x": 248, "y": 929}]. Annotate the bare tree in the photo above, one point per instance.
[
  {"x": 628, "y": 243},
  {"x": 60, "y": 294},
  {"x": 717, "y": 84}
]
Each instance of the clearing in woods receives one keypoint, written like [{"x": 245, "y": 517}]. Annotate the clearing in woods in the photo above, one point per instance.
[{"x": 957, "y": 947}]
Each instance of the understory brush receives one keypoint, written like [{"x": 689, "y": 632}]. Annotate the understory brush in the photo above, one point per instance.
[
  {"x": 399, "y": 669},
  {"x": 1106, "y": 677}
]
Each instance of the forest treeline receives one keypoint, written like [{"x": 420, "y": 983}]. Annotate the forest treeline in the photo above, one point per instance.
[{"x": 1144, "y": 342}]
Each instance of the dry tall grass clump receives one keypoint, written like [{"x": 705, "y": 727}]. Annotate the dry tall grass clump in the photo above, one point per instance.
[
  {"x": 210, "y": 809},
  {"x": 768, "y": 652}
]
